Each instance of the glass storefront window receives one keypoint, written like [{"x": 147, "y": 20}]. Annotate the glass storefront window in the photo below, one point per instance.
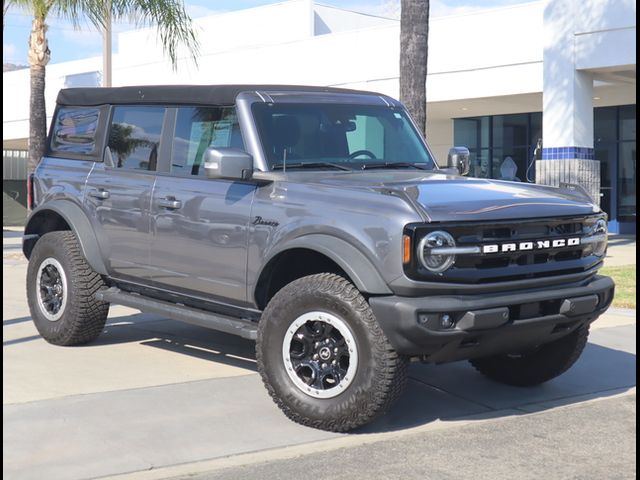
[
  {"x": 605, "y": 153},
  {"x": 502, "y": 147},
  {"x": 628, "y": 122},
  {"x": 604, "y": 125},
  {"x": 480, "y": 163},
  {"x": 536, "y": 128},
  {"x": 615, "y": 148},
  {"x": 472, "y": 133},
  {"x": 510, "y": 130},
  {"x": 627, "y": 162},
  {"x": 510, "y": 163},
  {"x": 627, "y": 180}
]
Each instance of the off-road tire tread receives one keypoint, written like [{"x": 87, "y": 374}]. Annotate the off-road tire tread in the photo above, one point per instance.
[
  {"x": 85, "y": 316},
  {"x": 546, "y": 363},
  {"x": 391, "y": 377}
]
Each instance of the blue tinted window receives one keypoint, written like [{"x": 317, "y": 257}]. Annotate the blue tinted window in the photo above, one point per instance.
[
  {"x": 134, "y": 136},
  {"x": 74, "y": 130},
  {"x": 198, "y": 128}
]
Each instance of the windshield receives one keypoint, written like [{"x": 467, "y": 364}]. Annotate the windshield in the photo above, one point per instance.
[{"x": 352, "y": 136}]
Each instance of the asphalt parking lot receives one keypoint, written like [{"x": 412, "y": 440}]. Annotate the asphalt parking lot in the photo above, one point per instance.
[{"x": 153, "y": 398}]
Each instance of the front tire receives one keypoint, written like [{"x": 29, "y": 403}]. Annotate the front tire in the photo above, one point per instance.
[
  {"x": 60, "y": 291},
  {"x": 323, "y": 357},
  {"x": 543, "y": 364}
]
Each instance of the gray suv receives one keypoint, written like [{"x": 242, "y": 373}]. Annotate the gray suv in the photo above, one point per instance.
[{"x": 315, "y": 221}]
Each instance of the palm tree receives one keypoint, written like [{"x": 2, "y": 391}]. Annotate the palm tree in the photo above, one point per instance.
[
  {"x": 123, "y": 142},
  {"x": 174, "y": 28},
  {"x": 414, "y": 36}
]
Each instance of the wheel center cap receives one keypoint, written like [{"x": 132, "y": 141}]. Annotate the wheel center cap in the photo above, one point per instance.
[{"x": 325, "y": 353}]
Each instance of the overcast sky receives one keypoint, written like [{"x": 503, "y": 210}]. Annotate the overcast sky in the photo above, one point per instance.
[{"x": 67, "y": 43}]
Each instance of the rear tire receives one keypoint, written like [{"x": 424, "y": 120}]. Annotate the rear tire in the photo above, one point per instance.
[
  {"x": 316, "y": 322},
  {"x": 529, "y": 369},
  {"x": 60, "y": 291}
]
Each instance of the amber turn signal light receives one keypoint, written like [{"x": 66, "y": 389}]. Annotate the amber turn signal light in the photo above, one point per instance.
[{"x": 406, "y": 249}]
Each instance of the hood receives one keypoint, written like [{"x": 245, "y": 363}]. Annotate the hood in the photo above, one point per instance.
[{"x": 443, "y": 197}]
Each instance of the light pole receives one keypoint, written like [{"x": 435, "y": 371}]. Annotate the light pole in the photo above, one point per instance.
[{"x": 106, "y": 48}]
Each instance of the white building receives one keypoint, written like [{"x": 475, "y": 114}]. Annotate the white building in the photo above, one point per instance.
[{"x": 497, "y": 80}]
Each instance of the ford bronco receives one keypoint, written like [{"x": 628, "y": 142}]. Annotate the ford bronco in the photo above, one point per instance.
[{"x": 317, "y": 222}]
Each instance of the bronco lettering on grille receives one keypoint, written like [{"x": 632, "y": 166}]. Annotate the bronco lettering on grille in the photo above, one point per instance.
[{"x": 531, "y": 245}]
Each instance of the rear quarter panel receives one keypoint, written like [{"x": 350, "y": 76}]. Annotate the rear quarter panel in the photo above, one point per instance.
[{"x": 61, "y": 179}]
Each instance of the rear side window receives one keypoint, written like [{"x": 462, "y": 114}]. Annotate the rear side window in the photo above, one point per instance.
[
  {"x": 74, "y": 130},
  {"x": 134, "y": 136},
  {"x": 198, "y": 128}
]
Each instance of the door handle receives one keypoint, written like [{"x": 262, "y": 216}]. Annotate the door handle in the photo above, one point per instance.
[
  {"x": 99, "y": 194},
  {"x": 170, "y": 203}
]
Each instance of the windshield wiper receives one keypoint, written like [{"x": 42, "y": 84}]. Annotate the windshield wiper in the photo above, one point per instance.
[
  {"x": 368, "y": 166},
  {"x": 282, "y": 166}
]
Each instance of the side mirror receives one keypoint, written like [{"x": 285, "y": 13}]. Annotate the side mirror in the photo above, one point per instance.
[
  {"x": 458, "y": 158},
  {"x": 230, "y": 163}
]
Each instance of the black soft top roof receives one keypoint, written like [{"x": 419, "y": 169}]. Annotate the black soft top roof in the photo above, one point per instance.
[{"x": 177, "y": 94}]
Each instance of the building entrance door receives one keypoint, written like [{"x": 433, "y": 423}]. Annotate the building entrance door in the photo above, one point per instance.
[{"x": 607, "y": 155}]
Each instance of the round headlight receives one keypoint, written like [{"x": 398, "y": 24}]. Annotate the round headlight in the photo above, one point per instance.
[
  {"x": 436, "y": 263},
  {"x": 601, "y": 229}
]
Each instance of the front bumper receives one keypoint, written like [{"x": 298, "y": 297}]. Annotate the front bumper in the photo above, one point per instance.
[{"x": 489, "y": 324}]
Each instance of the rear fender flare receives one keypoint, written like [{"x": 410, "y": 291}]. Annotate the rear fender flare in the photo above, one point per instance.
[{"x": 78, "y": 222}]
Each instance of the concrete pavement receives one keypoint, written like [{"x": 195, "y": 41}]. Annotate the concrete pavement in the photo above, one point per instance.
[
  {"x": 592, "y": 440},
  {"x": 621, "y": 251},
  {"x": 154, "y": 398}
]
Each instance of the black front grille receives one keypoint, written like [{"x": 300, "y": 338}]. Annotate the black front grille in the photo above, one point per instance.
[{"x": 512, "y": 265}]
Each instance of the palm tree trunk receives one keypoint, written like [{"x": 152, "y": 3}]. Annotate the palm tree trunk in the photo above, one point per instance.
[
  {"x": 38, "y": 59},
  {"x": 414, "y": 36}
]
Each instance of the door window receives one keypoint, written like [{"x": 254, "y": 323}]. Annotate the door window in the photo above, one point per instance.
[
  {"x": 198, "y": 128},
  {"x": 134, "y": 136}
]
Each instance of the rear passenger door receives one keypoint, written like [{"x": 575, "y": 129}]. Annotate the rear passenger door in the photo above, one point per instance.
[
  {"x": 200, "y": 225},
  {"x": 118, "y": 193}
]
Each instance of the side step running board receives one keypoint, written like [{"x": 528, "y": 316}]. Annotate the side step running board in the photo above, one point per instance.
[{"x": 235, "y": 326}]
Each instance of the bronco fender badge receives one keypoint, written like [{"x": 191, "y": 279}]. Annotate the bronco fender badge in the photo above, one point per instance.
[{"x": 261, "y": 221}]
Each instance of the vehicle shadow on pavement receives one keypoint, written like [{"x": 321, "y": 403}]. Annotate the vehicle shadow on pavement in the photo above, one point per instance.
[
  {"x": 434, "y": 392},
  {"x": 621, "y": 240},
  {"x": 13, "y": 321},
  {"x": 181, "y": 338},
  {"x": 457, "y": 390}
]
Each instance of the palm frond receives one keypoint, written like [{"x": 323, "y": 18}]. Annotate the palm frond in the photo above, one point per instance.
[
  {"x": 170, "y": 18},
  {"x": 173, "y": 24}
]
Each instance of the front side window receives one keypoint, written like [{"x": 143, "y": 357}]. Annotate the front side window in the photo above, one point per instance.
[
  {"x": 198, "y": 128},
  {"x": 350, "y": 136},
  {"x": 74, "y": 130},
  {"x": 134, "y": 136}
]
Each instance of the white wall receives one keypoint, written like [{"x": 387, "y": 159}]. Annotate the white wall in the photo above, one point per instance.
[
  {"x": 605, "y": 34},
  {"x": 485, "y": 54},
  {"x": 440, "y": 137},
  {"x": 581, "y": 38},
  {"x": 16, "y": 88},
  {"x": 232, "y": 31},
  {"x": 328, "y": 19}
]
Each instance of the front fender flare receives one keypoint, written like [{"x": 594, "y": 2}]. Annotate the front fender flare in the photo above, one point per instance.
[
  {"x": 79, "y": 224},
  {"x": 355, "y": 264}
]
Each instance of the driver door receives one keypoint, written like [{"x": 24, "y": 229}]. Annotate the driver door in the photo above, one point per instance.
[{"x": 200, "y": 225}]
